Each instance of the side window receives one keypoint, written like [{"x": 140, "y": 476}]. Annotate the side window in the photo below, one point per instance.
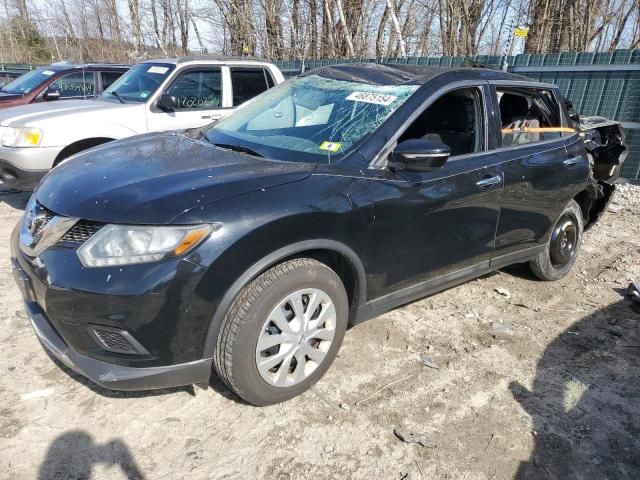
[
  {"x": 198, "y": 89},
  {"x": 248, "y": 82},
  {"x": 108, "y": 78},
  {"x": 75, "y": 84},
  {"x": 455, "y": 119},
  {"x": 529, "y": 115}
]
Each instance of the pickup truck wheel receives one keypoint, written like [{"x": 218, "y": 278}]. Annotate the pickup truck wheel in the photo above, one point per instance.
[
  {"x": 282, "y": 331},
  {"x": 560, "y": 253}
]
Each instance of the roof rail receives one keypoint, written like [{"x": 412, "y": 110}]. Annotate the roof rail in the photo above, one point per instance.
[
  {"x": 470, "y": 62},
  {"x": 220, "y": 58}
]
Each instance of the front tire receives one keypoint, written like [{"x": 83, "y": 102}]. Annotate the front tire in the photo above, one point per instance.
[
  {"x": 561, "y": 251},
  {"x": 282, "y": 332}
]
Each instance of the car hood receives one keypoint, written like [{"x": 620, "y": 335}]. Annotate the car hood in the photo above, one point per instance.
[
  {"x": 153, "y": 178},
  {"x": 36, "y": 114}
]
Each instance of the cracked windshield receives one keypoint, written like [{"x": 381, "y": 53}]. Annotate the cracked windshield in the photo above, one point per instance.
[{"x": 309, "y": 119}]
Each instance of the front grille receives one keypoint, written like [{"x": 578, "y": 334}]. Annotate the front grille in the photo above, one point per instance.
[
  {"x": 81, "y": 231},
  {"x": 117, "y": 341}
]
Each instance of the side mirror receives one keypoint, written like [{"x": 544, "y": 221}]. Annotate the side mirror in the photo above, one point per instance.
[
  {"x": 52, "y": 93},
  {"x": 167, "y": 102},
  {"x": 418, "y": 155}
]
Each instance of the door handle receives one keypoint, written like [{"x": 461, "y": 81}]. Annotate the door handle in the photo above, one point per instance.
[
  {"x": 488, "y": 182},
  {"x": 572, "y": 162}
]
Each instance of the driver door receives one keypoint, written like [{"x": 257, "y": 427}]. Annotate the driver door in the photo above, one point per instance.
[
  {"x": 201, "y": 97},
  {"x": 437, "y": 227}
]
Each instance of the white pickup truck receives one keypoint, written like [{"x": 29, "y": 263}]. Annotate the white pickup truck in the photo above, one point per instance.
[{"x": 153, "y": 96}]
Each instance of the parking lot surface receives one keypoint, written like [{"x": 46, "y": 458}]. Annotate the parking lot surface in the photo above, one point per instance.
[{"x": 501, "y": 377}]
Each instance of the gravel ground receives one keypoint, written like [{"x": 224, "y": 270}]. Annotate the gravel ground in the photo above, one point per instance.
[{"x": 535, "y": 380}]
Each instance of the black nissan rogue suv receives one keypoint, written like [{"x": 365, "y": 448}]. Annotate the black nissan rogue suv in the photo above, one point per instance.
[{"x": 248, "y": 247}]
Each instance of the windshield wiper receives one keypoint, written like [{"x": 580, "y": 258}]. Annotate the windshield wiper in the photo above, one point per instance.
[
  {"x": 118, "y": 96},
  {"x": 238, "y": 148}
]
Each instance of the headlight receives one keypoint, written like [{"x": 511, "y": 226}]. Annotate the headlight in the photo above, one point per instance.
[
  {"x": 123, "y": 244},
  {"x": 20, "y": 136}
]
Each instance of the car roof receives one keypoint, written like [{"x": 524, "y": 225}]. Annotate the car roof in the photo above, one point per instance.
[
  {"x": 403, "y": 74},
  {"x": 63, "y": 66}
]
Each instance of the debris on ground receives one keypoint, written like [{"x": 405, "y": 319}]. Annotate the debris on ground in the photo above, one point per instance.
[
  {"x": 504, "y": 292},
  {"x": 633, "y": 292},
  {"x": 410, "y": 437},
  {"x": 427, "y": 361},
  {"x": 614, "y": 208},
  {"x": 502, "y": 329}
]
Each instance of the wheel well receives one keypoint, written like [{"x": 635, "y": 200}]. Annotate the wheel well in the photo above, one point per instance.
[
  {"x": 339, "y": 264},
  {"x": 584, "y": 200},
  {"x": 80, "y": 146}
]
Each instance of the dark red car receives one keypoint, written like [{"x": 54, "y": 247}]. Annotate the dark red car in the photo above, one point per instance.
[{"x": 59, "y": 81}]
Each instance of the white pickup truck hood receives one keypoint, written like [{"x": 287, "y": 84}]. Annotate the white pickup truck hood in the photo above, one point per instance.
[{"x": 64, "y": 121}]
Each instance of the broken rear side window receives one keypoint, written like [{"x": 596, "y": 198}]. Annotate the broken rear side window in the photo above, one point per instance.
[{"x": 529, "y": 115}]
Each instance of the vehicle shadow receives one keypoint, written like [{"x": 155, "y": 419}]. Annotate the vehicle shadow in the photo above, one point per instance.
[
  {"x": 585, "y": 402},
  {"x": 73, "y": 454},
  {"x": 14, "y": 198}
]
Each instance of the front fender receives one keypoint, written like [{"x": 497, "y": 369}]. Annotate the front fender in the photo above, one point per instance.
[{"x": 260, "y": 229}]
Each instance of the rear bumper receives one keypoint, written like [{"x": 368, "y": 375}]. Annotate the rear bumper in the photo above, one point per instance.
[
  {"x": 23, "y": 168},
  {"x": 115, "y": 377}
]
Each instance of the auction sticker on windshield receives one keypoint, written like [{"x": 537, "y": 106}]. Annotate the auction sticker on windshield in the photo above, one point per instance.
[
  {"x": 330, "y": 146},
  {"x": 156, "y": 69},
  {"x": 374, "y": 98}
]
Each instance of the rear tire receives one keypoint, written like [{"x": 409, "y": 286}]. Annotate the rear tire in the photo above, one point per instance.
[
  {"x": 271, "y": 346},
  {"x": 561, "y": 251}
]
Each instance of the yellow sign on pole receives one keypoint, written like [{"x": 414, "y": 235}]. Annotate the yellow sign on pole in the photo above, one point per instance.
[{"x": 521, "y": 32}]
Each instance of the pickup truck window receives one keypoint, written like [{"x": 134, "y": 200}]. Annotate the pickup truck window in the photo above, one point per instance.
[
  {"x": 27, "y": 82},
  {"x": 77, "y": 84},
  {"x": 139, "y": 83},
  {"x": 198, "y": 89},
  {"x": 312, "y": 119},
  {"x": 108, "y": 78},
  {"x": 248, "y": 83},
  {"x": 529, "y": 115},
  {"x": 455, "y": 119}
]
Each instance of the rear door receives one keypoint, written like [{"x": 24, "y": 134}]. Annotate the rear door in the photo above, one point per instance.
[
  {"x": 540, "y": 176},
  {"x": 201, "y": 99}
]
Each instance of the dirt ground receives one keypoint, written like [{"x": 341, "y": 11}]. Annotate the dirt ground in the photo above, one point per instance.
[{"x": 542, "y": 381}]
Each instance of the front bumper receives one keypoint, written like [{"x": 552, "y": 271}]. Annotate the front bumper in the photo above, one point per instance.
[
  {"x": 23, "y": 168},
  {"x": 112, "y": 376},
  {"x": 155, "y": 303}
]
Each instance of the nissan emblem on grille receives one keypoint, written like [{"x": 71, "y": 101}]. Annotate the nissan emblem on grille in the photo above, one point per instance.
[
  {"x": 41, "y": 228},
  {"x": 36, "y": 219}
]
